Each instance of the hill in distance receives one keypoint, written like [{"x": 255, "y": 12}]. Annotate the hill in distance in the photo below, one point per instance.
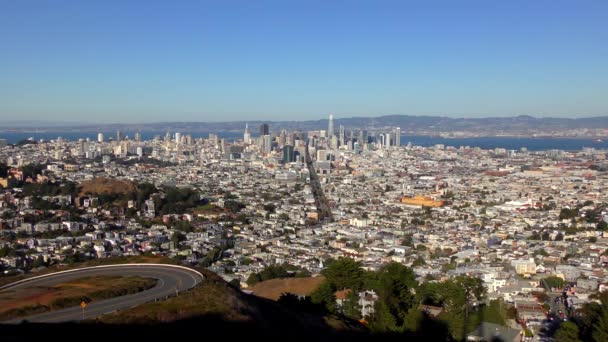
[{"x": 521, "y": 125}]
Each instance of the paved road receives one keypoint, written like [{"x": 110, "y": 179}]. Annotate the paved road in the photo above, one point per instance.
[
  {"x": 321, "y": 202},
  {"x": 170, "y": 279}
]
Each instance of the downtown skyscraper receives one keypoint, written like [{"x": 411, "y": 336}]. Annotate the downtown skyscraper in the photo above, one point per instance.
[{"x": 330, "y": 127}]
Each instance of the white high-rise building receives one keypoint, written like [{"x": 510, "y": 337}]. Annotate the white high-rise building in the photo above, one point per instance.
[
  {"x": 330, "y": 127},
  {"x": 247, "y": 135},
  {"x": 342, "y": 136},
  {"x": 398, "y": 136},
  {"x": 178, "y": 138},
  {"x": 267, "y": 144},
  {"x": 100, "y": 137}
]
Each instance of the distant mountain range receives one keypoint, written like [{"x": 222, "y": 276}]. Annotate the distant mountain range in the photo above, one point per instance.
[{"x": 518, "y": 125}]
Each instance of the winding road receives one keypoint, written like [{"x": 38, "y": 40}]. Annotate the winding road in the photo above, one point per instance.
[{"x": 171, "y": 279}]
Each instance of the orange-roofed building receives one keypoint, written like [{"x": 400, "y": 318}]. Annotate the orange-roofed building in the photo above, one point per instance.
[{"x": 422, "y": 201}]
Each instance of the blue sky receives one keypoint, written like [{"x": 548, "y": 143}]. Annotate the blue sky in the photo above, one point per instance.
[{"x": 142, "y": 61}]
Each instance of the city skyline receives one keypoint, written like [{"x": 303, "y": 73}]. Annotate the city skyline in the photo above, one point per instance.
[
  {"x": 270, "y": 61},
  {"x": 324, "y": 170}
]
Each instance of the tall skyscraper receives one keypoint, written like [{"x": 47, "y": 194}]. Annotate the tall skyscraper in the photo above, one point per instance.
[
  {"x": 398, "y": 136},
  {"x": 247, "y": 135},
  {"x": 330, "y": 127},
  {"x": 118, "y": 135},
  {"x": 288, "y": 154},
  {"x": 224, "y": 146},
  {"x": 264, "y": 130},
  {"x": 100, "y": 137},
  {"x": 267, "y": 143},
  {"x": 178, "y": 138},
  {"x": 342, "y": 137},
  {"x": 137, "y": 136}
]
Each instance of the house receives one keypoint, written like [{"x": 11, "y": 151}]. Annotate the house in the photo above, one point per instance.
[
  {"x": 587, "y": 284},
  {"x": 524, "y": 266},
  {"x": 367, "y": 301},
  {"x": 342, "y": 297}
]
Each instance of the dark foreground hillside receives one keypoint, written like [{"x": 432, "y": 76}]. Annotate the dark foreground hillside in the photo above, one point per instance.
[{"x": 213, "y": 310}]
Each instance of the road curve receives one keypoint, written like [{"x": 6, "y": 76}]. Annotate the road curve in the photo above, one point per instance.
[{"x": 170, "y": 279}]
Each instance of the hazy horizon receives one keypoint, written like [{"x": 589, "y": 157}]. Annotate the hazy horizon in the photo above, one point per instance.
[{"x": 53, "y": 123}]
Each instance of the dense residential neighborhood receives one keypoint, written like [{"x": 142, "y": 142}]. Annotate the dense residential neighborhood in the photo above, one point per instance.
[{"x": 530, "y": 225}]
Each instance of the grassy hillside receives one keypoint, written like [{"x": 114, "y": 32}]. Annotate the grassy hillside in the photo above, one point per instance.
[
  {"x": 106, "y": 185},
  {"x": 274, "y": 288}
]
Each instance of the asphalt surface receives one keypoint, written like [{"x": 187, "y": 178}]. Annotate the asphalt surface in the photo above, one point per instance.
[{"x": 170, "y": 281}]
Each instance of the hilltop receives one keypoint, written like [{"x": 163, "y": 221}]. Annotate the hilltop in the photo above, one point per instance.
[{"x": 106, "y": 185}]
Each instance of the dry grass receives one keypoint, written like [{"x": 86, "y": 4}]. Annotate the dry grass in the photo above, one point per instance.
[
  {"x": 107, "y": 185},
  {"x": 49, "y": 297},
  {"x": 273, "y": 288}
]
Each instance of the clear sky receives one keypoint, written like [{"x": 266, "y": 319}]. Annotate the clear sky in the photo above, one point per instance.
[{"x": 138, "y": 61}]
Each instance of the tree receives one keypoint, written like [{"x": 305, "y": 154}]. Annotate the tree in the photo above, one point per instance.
[
  {"x": 407, "y": 240},
  {"x": 344, "y": 273},
  {"x": 395, "y": 284},
  {"x": 235, "y": 283},
  {"x": 253, "y": 279},
  {"x": 600, "y": 332},
  {"x": 351, "y": 307},
  {"x": 270, "y": 207},
  {"x": 233, "y": 206},
  {"x": 178, "y": 237},
  {"x": 382, "y": 320},
  {"x": 3, "y": 170},
  {"x": 494, "y": 312},
  {"x": 554, "y": 282},
  {"x": 602, "y": 225},
  {"x": 535, "y": 236},
  {"x": 566, "y": 213},
  {"x": 325, "y": 296},
  {"x": 567, "y": 332},
  {"x": 419, "y": 262}
]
